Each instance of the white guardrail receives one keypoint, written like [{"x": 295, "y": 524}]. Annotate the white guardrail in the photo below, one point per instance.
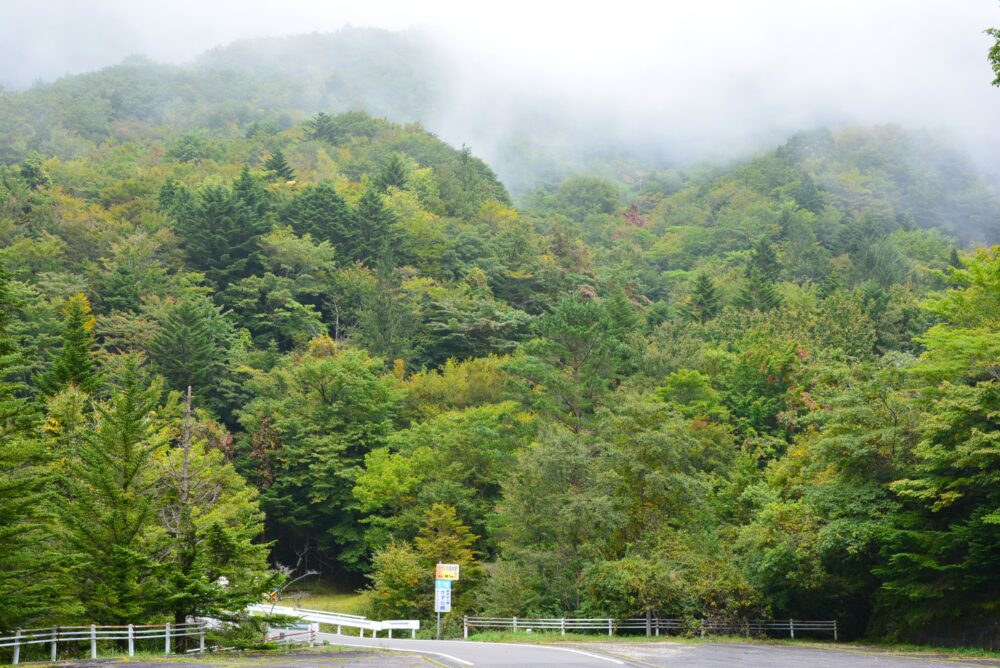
[
  {"x": 651, "y": 625},
  {"x": 93, "y": 634},
  {"x": 341, "y": 621}
]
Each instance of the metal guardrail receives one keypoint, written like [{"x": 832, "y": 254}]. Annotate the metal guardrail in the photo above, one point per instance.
[
  {"x": 651, "y": 625},
  {"x": 132, "y": 633},
  {"x": 341, "y": 621}
]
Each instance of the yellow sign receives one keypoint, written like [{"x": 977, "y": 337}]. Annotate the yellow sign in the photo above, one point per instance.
[{"x": 446, "y": 572}]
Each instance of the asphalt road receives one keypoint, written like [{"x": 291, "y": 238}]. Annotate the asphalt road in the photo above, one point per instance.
[{"x": 459, "y": 654}]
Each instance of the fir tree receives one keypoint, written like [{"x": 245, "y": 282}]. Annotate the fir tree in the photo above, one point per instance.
[
  {"x": 192, "y": 346},
  {"x": 221, "y": 235},
  {"x": 319, "y": 211},
  {"x": 109, "y": 501},
  {"x": 376, "y": 235},
  {"x": 704, "y": 304},
  {"x": 278, "y": 166},
  {"x": 323, "y": 128},
  {"x": 31, "y": 586},
  {"x": 75, "y": 363},
  {"x": 392, "y": 173},
  {"x": 759, "y": 293}
]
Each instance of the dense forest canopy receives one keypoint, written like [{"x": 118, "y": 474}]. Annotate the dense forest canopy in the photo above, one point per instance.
[{"x": 760, "y": 388}]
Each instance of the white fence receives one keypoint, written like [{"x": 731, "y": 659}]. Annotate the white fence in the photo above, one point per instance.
[
  {"x": 79, "y": 636},
  {"x": 341, "y": 621},
  {"x": 653, "y": 625}
]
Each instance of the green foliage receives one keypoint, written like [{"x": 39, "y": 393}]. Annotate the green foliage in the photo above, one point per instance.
[
  {"x": 32, "y": 573},
  {"x": 221, "y": 233},
  {"x": 75, "y": 363},
  {"x": 994, "y": 54},
  {"x": 313, "y": 419},
  {"x": 277, "y": 166},
  {"x": 108, "y": 502},
  {"x": 705, "y": 303}
]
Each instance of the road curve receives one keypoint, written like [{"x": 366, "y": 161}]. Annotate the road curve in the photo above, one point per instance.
[{"x": 460, "y": 654}]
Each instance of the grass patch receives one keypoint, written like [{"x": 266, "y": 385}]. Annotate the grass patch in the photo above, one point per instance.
[{"x": 322, "y": 596}]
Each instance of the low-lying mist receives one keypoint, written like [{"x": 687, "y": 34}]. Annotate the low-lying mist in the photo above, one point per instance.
[{"x": 555, "y": 84}]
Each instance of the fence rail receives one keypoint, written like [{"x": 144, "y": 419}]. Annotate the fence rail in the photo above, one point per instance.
[
  {"x": 130, "y": 634},
  {"x": 653, "y": 625}
]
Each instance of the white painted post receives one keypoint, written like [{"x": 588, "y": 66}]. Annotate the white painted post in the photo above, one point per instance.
[
  {"x": 515, "y": 625},
  {"x": 465, "y": 627},
  {"x": 55, "y": 642},
  {"x": 562, "y": 626},
  {"x": 131, "y": 640},
  {"x": 361, "y": 632},
  {"x": 338, "y": 629},
  {"x": 835, "y": 630},
  {"x": 93, "y": 641},
  {"x": 390, "y": 633},
  {"x": 201, "y": 639},
  {"x": 17, "y": 647},
  {"x": 167, "y": 636},
  {"x": 413, "y": 633},
  {"x": 791, "y": 627},
  {"x": 609, "y": 626}
]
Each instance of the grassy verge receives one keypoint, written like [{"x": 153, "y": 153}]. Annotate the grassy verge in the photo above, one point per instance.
[{"x": 321, "y": 596}]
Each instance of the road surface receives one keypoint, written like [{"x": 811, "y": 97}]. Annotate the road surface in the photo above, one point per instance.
[{"x": 460, "y": 654}]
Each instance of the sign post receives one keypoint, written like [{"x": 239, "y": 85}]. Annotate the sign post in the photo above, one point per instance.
[{"x": 444, "y": 575}]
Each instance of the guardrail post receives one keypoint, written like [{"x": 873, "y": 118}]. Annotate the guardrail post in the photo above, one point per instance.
[
  {"x": 17, "y": 647},
  {"x": 93, "y": 641},
  {"x": 703, "y": 628},
  {"x": 835, "y": 630},
  {"x": 562, "y": 626},
  {"x": 609, "y": 626},
  {"x": 338, "y": 630},
  {"x": 55, "y": 642},
  {"x": 515, "y": 625},
  {"x": 313, "y": 628},
  {"x": 201, "y": 638},
  {"x": 167, "y": 636},
  {"x": 413, "y": 633},
  {"x": 791, "y": 627},
  {"x": 131, "y": 640},
  {"x": 361, "y": 632},
  {"x": 465, "y": 627},
  {"x": 649, "y": 623}
]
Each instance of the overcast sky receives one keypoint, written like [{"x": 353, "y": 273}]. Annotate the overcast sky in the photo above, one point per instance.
[{"x": 702, "y": 71}]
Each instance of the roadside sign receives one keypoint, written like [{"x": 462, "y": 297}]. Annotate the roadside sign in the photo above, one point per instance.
[
  {"x": 442, "y": 600},
  {"x": 442, "y": 584},
  {"x": 446, "y": 572}
]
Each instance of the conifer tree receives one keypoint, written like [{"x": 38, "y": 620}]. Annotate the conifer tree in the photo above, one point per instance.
[
  {"x": 192, "y": 347},
  {"x": 319, "y": 211},
  {"x": 31, "y": 588},
  {"x": 75, "y": 363},
  {"x": 704, "y": 303},
  {"x": 108, "y": 503},
  {"x": 759, "y": 293},
  {"x": 376, "y": 235},
  {"x": 221, "y": 235},
  {"x": 279, "y": 167},
  {"x": 322, "y": 127},
  {"x": 392, "y": 173}
]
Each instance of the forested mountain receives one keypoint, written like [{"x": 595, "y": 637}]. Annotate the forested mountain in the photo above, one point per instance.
[{"x": 744, "y": 390}]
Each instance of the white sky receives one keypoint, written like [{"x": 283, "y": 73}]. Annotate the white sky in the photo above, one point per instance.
[{"x": 701, "y": 70}]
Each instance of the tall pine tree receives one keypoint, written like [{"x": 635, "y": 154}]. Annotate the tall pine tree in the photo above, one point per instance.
[
  {"x": 32, "y": 588},
  {"x": 108, "y": 504},
  {"x": 75, "y": 363},
  {"x": 377, "y": 235},
  {"x": 278, "y": 166},
  {"x": 704, "y": 304}
]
